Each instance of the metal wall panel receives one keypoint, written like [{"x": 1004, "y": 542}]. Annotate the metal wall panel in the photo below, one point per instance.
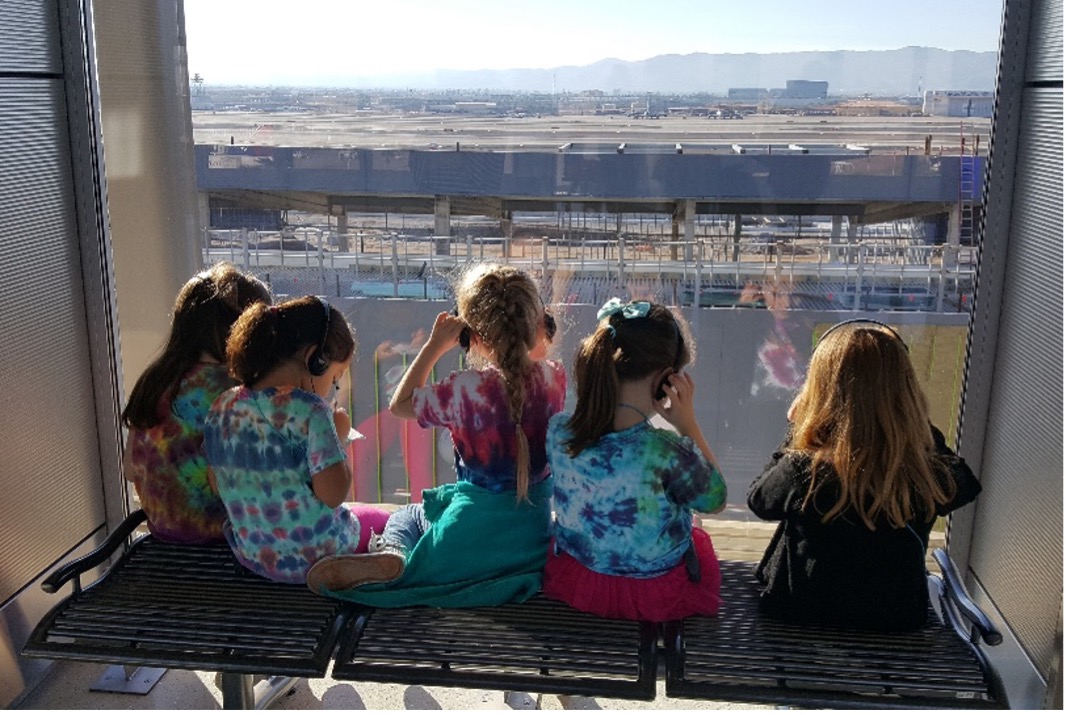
[
  {"x": 49, "y": 468},
  {"x": 1017, "y": 545},
  {"x": 1045, "y": 54},
  {"x": 29, "y": 36}
]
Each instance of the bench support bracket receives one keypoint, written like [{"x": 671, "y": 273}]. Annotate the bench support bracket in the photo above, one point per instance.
[{"x": 128, "y": 679}]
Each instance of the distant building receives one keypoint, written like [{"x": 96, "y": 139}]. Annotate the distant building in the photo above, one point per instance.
[
  {"x": 805, "y": 89},
  {"x": 747, "y": 94},
  {"x": 957, "y": 103}
]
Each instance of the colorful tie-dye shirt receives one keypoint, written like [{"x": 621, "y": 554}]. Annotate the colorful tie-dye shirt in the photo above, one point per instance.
[
  {"x": 167, "y": 463},
  {"x": 472, "y": 405},
  {"x": 265, "y": 446},
  {"x": 623, "y": 507}
]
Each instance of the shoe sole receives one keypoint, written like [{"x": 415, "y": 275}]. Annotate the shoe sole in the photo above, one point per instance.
[{"x": 340, "y": 573}]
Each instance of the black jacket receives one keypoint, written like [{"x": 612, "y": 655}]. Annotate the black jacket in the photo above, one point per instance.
[{"x": 842, "y": 573}]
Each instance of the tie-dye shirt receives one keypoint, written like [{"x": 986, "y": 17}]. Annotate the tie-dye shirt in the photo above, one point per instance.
[
  {"x": 472, "y": 405},
  {"x": 265, "y": 446},
  {"x": 167, "y": 464},
  {"x": 623, "y": 506}
]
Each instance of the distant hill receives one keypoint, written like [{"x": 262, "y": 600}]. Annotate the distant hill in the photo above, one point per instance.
[{"x": 888, "y": 72}]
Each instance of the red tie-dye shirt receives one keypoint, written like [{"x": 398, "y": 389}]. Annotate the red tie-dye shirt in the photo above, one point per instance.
[{"x": 472, "y": 405}]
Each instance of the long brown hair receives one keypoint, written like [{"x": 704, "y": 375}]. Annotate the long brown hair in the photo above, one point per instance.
[
  {"x": 862, "y": 413},
  {"x": 204, "y": 311},
  {"x": 502, "y": 305},
  {"x": 621, "y": 349},
  {"x": 267, "y": 336}
]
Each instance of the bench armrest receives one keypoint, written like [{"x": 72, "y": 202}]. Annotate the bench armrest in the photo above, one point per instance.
[
  {"x": 980, "y": 626},
  {"x": 94, "y": 558}
]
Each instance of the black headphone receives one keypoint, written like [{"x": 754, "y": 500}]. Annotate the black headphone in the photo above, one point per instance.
[
  {"x": 318, "y": 363},
  {"x": 869, "y": 321}
]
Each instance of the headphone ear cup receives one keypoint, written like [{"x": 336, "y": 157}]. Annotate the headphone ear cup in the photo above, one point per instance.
[{"x": 317, "y": 364}]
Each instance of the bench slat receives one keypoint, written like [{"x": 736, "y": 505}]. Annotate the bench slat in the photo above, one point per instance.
[
  {"x": 744, "y": 655},
  {"x": 540, "y": 645}
]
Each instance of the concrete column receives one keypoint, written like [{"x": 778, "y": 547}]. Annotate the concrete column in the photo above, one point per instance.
[
  {"x": 853, "y": 237},
  {"x": 507, "y": 225},
  {"x": 954, "y": 225},
  {"x": 442, "y": 224},
  {"x": 690, "y": 227},
  {"x": 834, "y": 236},
  {"x": 342, "y": 231},
  {"x": 738, "y": 226}
]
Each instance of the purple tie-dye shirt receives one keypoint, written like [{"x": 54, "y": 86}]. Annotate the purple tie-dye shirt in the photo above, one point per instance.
[
  {"x": 167, "y": 463},
  {"x": 472, "y": 405},
  {"x": 265, "y": 446}
]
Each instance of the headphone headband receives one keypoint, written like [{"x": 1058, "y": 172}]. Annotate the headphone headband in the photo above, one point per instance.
[
  {"x": 318, "y": 363},
  {"x": 868, "y": 321}
]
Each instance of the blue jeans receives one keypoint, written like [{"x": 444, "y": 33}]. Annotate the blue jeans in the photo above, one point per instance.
[{"x": 405, "y": 527}]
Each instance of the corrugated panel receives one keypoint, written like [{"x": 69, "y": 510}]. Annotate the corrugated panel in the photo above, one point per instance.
[
  {"x": 29, "y": 36},
  {"x": 1020, "y": 510},
  {"x": 1045, "y": 59},
  {"x": 49, "y": 493}
]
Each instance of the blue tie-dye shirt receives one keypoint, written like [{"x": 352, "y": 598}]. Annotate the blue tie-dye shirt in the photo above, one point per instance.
[
  {"x": 623, "y": 507},
  {"x": 265, "y": 446}
]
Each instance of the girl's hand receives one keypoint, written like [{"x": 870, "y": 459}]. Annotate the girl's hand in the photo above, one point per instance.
[
  {"x": 445, "y": 333},
  {"x": 343, "y": 423},
  {"x": 680, "y": 390}
]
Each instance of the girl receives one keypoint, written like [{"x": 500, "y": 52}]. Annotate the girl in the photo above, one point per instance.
[
  {"x": 625, "y": 492},
  {"x": 169, "y": 402},
  {"x": 480, "y": 541},
  {"x": 276, "y": 446},
  {"x": 857, "y": 486}
]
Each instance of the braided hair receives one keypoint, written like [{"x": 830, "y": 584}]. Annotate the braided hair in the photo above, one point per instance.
[{"x": 502, "y": 305}]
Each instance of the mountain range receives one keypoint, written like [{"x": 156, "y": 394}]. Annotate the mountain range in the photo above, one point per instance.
[{"x": 904, "y": 71}]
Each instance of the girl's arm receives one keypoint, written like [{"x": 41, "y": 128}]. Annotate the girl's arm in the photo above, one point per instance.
[
  {"x": 773, "y": 493},
  {"x": 443, "y": 337},
  {"x": 212, "y": 481},
  {"x": 332, "y": 484}
]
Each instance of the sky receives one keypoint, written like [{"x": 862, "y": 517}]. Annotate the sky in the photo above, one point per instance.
[{"x": 267, "y": 42}]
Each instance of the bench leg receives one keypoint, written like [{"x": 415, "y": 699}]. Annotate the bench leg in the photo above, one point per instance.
[{"x": 237, "y": 692}]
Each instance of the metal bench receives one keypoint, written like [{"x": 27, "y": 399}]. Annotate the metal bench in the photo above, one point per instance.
[
  {"x": 744, "y": 656},
  {"x": 197, "y": 608}
]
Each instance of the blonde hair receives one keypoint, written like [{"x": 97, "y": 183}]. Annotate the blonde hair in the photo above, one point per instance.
[
  {"x": 503, "y": 306},
  {"x": 862, "y": 413}
]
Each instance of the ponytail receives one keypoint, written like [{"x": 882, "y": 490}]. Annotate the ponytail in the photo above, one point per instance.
[{"x": 597, "y": 390}]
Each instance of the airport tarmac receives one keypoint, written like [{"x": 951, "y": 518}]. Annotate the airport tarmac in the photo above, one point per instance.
[{"x": 895, "y": 135}]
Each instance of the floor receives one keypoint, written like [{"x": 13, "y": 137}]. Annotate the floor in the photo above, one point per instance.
[{"x": 67, "y": 688}]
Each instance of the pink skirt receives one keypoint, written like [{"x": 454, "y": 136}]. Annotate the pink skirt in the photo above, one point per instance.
[{"x": 662, "y": 598}]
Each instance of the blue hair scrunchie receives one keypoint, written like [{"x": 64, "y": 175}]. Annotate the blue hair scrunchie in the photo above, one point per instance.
[{"x": 636, "y": 309}]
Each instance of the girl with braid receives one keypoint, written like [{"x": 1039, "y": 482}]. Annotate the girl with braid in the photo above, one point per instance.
[
  {"x": 482, "y": 540},
  {"x": 625, "y": 491}
]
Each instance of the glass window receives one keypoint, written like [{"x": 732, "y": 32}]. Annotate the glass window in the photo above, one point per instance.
[{"x": 768, "y": 170}]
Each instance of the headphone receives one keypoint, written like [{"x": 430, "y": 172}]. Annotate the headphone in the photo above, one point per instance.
[
  {"x": 868, "y": 321},
  {"x": 318, "y": 363}
]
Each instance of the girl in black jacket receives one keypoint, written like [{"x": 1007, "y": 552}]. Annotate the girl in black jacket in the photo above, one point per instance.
[{"x": 857, "y": 486}]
